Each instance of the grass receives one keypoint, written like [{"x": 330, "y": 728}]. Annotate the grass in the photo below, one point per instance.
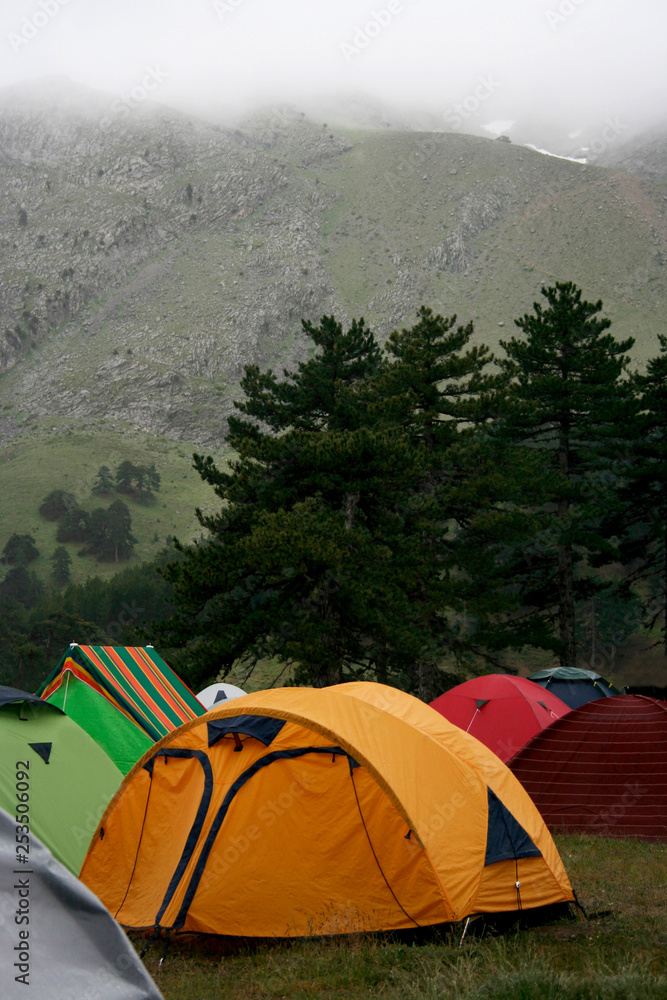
[
  {"x": 618, "y": 956},
  {"x": 29, "y": 470},
  {"x": 560, "y": 220}
]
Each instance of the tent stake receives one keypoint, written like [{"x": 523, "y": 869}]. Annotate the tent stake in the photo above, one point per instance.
[{"x": 165, "y": 945}]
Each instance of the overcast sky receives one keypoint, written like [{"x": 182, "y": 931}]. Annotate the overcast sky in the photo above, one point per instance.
[{"x": 574, "y": 61}]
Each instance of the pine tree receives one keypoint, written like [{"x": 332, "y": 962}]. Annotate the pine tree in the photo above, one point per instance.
[
  {"x": 146, "y": 479},
  {"x": 566, "y": 399},
  {"x": 643, "y": 519},
  {"x": 13, "y": 629},
  {"x": 73, "y": 526},
  {"x": 104, "y": 482},
  {"x": 431, "y": 388},
  {"x": 21, "y": 585},
  {"x": 468, "y": 510},
  {"x": 20, "y": 550},
  {"x": 125, "y": 476},
  {"x": 276, "y": 580},
  {"x": 437, "y": 385},
  {"x": 337, "y": 548},
  {"x": 57, "y": 504},
  {"x": 153, "y": 478},
  {"x": 109, "y": 534},
  {"x": 120, "y": 530},
  {"x": 61, "y": 561},
  {"x": 138, "y": 481}
]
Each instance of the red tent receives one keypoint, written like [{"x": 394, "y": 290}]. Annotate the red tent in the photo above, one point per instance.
[
  {"x": 500, "y": 710},
  {"x": 601, "y": 769}
]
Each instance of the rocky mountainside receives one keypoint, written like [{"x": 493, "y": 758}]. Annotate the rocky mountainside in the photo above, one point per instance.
[
  {"x": 146, "y": 256},
  {"x": 644, "y": 155}
]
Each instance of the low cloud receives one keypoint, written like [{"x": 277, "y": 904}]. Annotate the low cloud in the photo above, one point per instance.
[{"x": 573, "y": 62}]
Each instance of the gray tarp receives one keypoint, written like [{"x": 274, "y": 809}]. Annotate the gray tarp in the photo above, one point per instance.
[{"x": 56, "y": 936}]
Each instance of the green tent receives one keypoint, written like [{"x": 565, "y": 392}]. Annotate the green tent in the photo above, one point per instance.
[
  {"x": 54, "y": 778},
  {"x": 118, "y": 736}
]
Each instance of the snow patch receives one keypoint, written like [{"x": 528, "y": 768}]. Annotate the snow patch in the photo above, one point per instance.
[{"x": 545, "y": 152}]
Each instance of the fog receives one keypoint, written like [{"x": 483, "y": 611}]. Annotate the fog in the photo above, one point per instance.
[{"x": 571, "y": 64}]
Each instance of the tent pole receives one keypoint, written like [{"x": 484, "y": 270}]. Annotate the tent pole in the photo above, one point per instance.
[
  {"x": 465, "y": 931},
  {"x": 66, "y": 689}
]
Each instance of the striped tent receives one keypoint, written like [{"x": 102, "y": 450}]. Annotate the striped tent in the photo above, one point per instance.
[
  {"x": 135, "y": 679},
  {"x": 602, "y": 768}
]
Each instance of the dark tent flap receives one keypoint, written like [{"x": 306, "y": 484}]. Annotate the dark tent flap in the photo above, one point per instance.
[
  {"x": 260, "y": 727},
  {"x": 506, "y": 839},
  {"x": 42, "y": 749},
  {"x": 10, "y": 696}
]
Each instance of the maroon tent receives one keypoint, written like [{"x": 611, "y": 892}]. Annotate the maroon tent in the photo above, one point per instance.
[
  {"x": 500, "y": 710},
  {"x": 602, "y": 768}
]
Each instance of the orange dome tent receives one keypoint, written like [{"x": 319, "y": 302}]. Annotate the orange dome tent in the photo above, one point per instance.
[{"x": 301, "y": 811}]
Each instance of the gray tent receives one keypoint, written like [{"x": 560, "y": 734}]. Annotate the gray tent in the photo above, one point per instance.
[{"x": 55, "y": 935}]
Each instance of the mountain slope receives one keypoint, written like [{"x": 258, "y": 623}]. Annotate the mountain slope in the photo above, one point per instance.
[
  {"x": 161, "y": 254},
  {"x": 645, "y": 155}
]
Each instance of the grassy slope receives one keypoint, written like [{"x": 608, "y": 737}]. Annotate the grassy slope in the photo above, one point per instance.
[
  {"x": 30, "y": 469},
  {"x": 403, "y": 194},
  {"x": 621, "y": 956}
]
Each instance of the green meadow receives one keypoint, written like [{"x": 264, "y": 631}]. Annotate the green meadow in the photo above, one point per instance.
[{"x": 31, "y": 468}]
